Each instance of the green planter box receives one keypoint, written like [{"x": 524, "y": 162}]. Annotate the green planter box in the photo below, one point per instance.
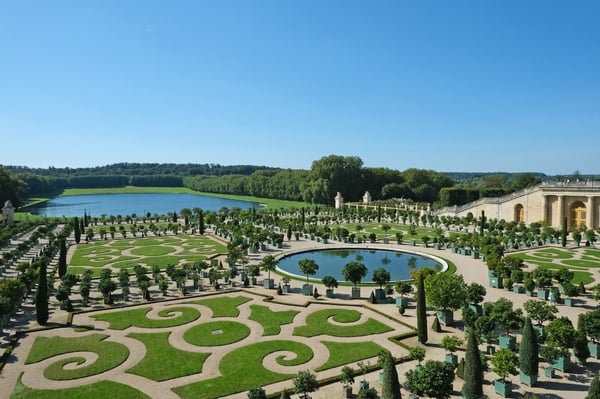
[
  {"x": 452, "y": 359},
  {"x": 252, "y": 280},
  {"x": 503, "y": 389},
  {"x": 379, "y": 294},
  {"x": 269, "y": 283},
  {"x": 569, "y": 301},
  {"x": 517, "y": 289},
  {"x": 529, "y": 380},
  {"x": 496, "y": 282},
  {"x": 285, "y": 288},
  {"x": 549, "y": 372},
  {"x": 594, "y": 348},
  {"x": 478, "y": 309},
  {"x": 386, "y": 240},
  {"x": 542, "y": 293},
  {"x": 508, "y": 342},
  {"x": 563, "y": 363},
  {"x": 307, "y": 289},
  {"x": 475, "y": 254},
  {"x": 402, "y": 302},
  {"x": 355, "y": 292},
  {"x": 329, "y": 292},
  {"x": 446, "y": 317}
]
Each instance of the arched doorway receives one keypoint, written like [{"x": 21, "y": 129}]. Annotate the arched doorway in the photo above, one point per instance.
[
  {"x": 577, "y": 215},
  {"x": 519, "y": 213}
]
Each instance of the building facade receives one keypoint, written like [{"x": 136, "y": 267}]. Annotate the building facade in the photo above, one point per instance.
[{"x": 578, "y": 202}]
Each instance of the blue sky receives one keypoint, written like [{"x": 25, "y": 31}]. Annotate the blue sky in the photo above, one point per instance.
[{"x": 473, "y": 86}]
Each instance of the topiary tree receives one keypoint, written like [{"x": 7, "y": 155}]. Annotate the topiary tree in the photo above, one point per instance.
[
  {"x": 540, "y": 311},
  {"x": 421, "y": 311},
  {"x": 529, "y": 353},
  {"x": 434, "y": 379},
  {"x": 504, "y": 363},
  {"x": 446, "y": 293},
  {"x": 257, "y": 393},
  {"x": 381, "y": 277},
  {"x": 308, "y": 267},
  {"x": 473, "y": 369},
  {"x": 390, "y": 386},
  {"x": 305, "y": 383},
  {"x": 62, "y": 259},
  {"x": 354, "y": 272},
  {"x": 417, "y": 353},
  {"x": 330, "y": 282}
]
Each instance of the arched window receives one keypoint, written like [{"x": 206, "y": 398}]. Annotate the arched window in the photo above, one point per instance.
[
  {"x": 519, "y": 213},
  {"x": 577, "y": 215}
]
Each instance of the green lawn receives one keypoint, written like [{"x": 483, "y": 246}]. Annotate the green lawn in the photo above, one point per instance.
[
  {"x": 170, "y": 317},
  {"x": 102, "y": 389},
  {"x": 317, "y": 323},
  {"x": 270, "y": 320},
  {"x": 216, "y": 333},
  {"x": 341, "y": 353},
  {"x": 164, "y": 362},
  {"x": 242, "y": 368},
  {"x": 110, "y": 355},
  {"x": 223, "y": 306}
]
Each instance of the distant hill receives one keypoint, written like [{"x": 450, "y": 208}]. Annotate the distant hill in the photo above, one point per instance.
[{"x": 461, "y": 177}]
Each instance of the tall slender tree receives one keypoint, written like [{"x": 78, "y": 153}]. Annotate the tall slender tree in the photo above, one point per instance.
[
  {"x": 529, "y": 352},
  {"x": 390, "y": 387},
  {"x": 421, "y": 310},
  {"x": 76, "y": 230},
  {"x": 563, "y": 236},
  {"x": 201, "y": 228},
  {"x": 62, "y": 259},
  {"x": 473, "y": 372},
  {"x": 41, "y": 298},
  {"x": 594, "y": 391}
]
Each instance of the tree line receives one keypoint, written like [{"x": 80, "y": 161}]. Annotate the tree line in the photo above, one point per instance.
[{"x": 318, "y": 185}]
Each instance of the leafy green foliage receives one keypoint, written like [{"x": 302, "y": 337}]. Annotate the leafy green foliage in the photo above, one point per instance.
[{"x": 434, "y": 379}]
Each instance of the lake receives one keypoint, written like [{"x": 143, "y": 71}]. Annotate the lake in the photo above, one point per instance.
[{"x": 128, "y": 204}]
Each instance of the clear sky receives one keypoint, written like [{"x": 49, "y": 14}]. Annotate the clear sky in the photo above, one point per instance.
[{"x": 472, "y": 86}]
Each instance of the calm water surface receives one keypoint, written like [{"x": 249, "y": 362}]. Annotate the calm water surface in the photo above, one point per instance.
[
  {"x": 332, "y": 261},
  {"x": 128, "y": 204}
]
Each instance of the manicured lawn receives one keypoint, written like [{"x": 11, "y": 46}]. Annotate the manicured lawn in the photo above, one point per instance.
[
  {"x": 110, "y": 355},
  {"x": 317, "y": 323},
  {"x": 99, "y": 390},
  {"x": 341, "y": 353},
  {"x": 164, "y": 362},
  {"x": 216, "y": 333},
  {"x": 270, "y": 320},
  {"x": 242, "y": 368},
  {"x": 137, "y": 317},
  {"x": 224, "y": 306},
  {"x": 152, "y": 250}
]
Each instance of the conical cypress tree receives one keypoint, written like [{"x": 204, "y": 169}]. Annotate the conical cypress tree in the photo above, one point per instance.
[
  {"x": 421, "y": 311},
  {"x": 594, "y": 391},
  {"x": 390, "y": 387},
  {"x": 563, "y": 235},
  {"x": 62, "y": 259},
  {"x": 529, "y": 351},
  {"x": 473, "y": 386},
  {"x": 41, "y": 298},
  {"x": 201, "y": 227},
  {"x": 76, "y": 230}
]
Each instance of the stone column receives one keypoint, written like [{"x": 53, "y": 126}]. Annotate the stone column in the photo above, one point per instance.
[
  {"x": 590, "y": 212},
  {"x": 545, "y": 208},
  {"x": 561, "y": 211}
]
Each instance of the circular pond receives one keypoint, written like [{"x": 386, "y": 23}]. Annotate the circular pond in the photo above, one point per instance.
[{"x": 332, "y": 261}]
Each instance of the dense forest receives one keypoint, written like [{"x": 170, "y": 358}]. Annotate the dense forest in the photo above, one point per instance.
[{"x": 319, "y": 185}]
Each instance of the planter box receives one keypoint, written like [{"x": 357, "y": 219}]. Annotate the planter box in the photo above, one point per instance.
[
  {"x": 563, "y": 363},
  {"x": 475, "y": 254},
  {"x": 569, "y": 301},
  {"x": 363, "y": 384},
  {"x": 347, "y": 391},
  {"x": 413, "y": 242},
  {"x": 508, "y": 342},
  {"x": 478, "y": 309},
  {"x": 286, "y": 288},
  {"x": 549, "y": 372},
  {"x": 503, "y": 388},
  {"x": 402, "y": 302},
  {"x": 594, "y": 348},
  {"x": 269, "y": 283},
  {"x": 542, "y": 293},
  {"x": 379, "y": 294},
  {"x": 325, "y": 240},
  {"x": 439, "y": 246},
  {"x": 252, "y": 280},
  {"x": 446, "y": 317},
  {"x": 496, "y": 282},
  {"x": 329, "y": 292},
  {"x": 517, "y": 289},
  {"x": 386, "y": 240},
  {"x": 540, "y": 331},
  {"x": 307, "y": 289},
  {"x": 452, "y": 359},
  {"x": 355, "y": 292},
  {"x": 529, "y": 380}
]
